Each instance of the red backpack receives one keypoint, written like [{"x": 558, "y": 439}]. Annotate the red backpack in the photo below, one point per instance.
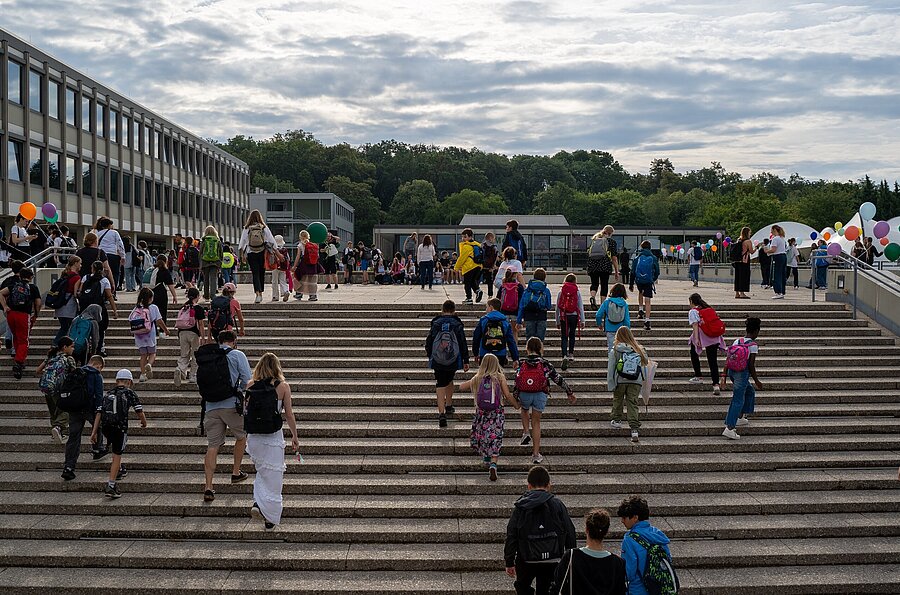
[
  {"x": 568, "y": 299},
  {"x": 311, "y": 253},
  {"x": 510, "y": 302},
  {"x": 710, "y": 323},
  {"x": 530, "y": 377}
]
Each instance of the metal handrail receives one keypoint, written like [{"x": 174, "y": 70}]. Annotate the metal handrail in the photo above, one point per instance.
[
  {"x": 40, "y": 258},
  {"x": 890, "y": 281}
]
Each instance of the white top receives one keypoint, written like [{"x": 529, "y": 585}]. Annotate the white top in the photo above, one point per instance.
[
  {"x": 751, "y": 344},
  {"x": 20, "y": 232},
  {"x": 110, "y": 242},
  {"x": 693, "y": 261},
  {"x": 244, "y": 244},
  {"x": 515, "y": 265},
  {"x": 779, "y": 245},
  {"x": 425, "y": 253},
  {"x": 792, "y": 254},
  {"x": 693, "y": 316}
]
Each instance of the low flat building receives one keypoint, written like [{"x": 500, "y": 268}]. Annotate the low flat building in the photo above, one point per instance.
[{"x": 289, "y": 213}]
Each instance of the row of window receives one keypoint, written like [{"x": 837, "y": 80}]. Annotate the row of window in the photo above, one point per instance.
[
  {"x": 108, "y": 122},
  {"x": 64, "y": 175}
]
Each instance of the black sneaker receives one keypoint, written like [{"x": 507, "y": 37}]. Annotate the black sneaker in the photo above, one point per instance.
[
  {"x": 640, "y": 313},
  {"x": 112, "y": 492},
  {"x": 270, "y": 526},
  {"x": 478, "y": 296},
  {"x": 442, "y": 421},
  {"x": 565, "y": 363},
  {"x": 209, "y": 496},
  {"x": 68, "y": 474},
  {"x": 122, "y": 474},
  {"x": 647, "y": 325},
  {"x": 450, "y": 409},
  {"x": 526, "y": 440},
  {"x": 239, "y": 477},
  {"x": 99, "y": 454},
  {"x": 17, "y": 371},
  {"x": 593, "y": 302}
]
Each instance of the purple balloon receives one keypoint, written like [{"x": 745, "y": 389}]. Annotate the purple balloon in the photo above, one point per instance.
[
  {"x": 881, "y": 229},
  {"x": 48, "y": 209},
  {"x": 719, "y": 235},
  {"x": 834, "y": 249}
]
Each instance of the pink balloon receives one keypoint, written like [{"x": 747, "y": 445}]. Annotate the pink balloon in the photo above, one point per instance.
[
  {"x": 881, "y": 229},
  {"x": 834, "y": 249}
]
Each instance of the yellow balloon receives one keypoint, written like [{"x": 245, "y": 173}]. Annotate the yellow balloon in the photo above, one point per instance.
[{"x": 838, "y": 225}]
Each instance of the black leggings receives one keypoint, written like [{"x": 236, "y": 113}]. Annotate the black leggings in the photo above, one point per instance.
[
  {"x": 712, "y": 354},
  {"x": 470, "y": 281},
  {"x": 256, "y": 260},
  {"x": 795, "y": 271},
  {"x": 600, "y": 280}
]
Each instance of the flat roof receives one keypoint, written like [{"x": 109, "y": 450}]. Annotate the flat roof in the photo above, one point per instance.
[
  {"x": 299, "y": 195},
  {"x": 524, "y": 220}
]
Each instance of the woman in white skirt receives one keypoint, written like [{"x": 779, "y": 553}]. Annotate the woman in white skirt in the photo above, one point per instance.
[{"x": 267, "y": 403}]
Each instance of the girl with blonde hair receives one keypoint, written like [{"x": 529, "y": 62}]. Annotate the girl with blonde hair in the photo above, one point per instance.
[
  {"x": 267, "y": 405},
  {"x": 625, "y": 375},
  {"x": 490, "y": 389},
  {"x": 307, "y": 268},
  {"x": 603, "y": 261},
  {"x": 778, "y": 251}
]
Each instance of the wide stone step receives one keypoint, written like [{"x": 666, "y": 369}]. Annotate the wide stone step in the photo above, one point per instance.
[{"x": 334, "y": 463}]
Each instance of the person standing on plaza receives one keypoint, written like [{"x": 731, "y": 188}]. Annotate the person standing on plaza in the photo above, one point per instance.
[
  {"x": 510, "y": 262},
  {"x": 793, "y": 263},
  {"x": 410, "y": 245},
  {"x": 695, "y": 261},
  {"x": 765, "y": 264},
  {"x": 515, "y": 240},
  {"x": 211, "y": 253},
  {"x": 143, "y": 261},
  {"x": 278, "y": 263},
  {"x": 469, "y": 264},
  {"x": 129, "y": 262},
  {"x": 778, "y": 251},
  {"x": 740, "y": 253},
  {"x": 109, "y": 240},
  {"x": 332, "y": 249},
  {"x": 425, "y": 254},
  {"x": 489, "y": 266},
  {"x": 307, "y": 268},
  {"x": 20, "y": 238},
  {"x": 603, "y": 261},
  {"x": 267, "y": 404},
  {"x": 256, "y": 238}
]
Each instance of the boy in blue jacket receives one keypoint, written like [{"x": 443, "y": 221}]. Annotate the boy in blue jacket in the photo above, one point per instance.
[
  {"x": 646, "y": 272},
  {"x": 536, "y": 301},
  {"x": 493, "y": 334},
  {"x": 635, "y": 515}
]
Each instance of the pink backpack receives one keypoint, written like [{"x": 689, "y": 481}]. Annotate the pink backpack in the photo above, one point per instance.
[
  {"x": 737, "y": 357},
  {"x": 186, "y": 319},
  {"x": 510, "y": 302},
  {"x": 139, "y": 321}
]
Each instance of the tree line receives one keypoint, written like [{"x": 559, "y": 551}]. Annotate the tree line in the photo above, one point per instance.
[{"x": 400, "y": 183}]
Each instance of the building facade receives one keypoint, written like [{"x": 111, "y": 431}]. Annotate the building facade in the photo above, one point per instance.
[
  {"x": 552, "y": 242},
  {"x": 69, "y": 140},
  {"x": 289, "y": 213}
]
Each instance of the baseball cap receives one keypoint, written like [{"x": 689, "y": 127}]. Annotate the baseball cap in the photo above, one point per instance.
[
  {"x": 279, "y": 240},
  {"x": 229, "y": 287},
  {"x": 124, "y": 375}
]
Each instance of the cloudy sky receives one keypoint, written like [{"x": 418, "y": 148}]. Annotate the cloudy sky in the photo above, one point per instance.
[{"x": 779, "y": 86}]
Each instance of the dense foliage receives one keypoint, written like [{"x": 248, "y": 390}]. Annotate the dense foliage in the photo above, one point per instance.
[{"x": 393, "y": 182}]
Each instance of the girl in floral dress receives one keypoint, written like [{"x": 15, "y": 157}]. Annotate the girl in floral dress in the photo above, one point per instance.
[{"x": 490, "y": 390}]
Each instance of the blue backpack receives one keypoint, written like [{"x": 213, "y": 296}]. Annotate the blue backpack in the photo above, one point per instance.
[
  {"x": 536, "y": 301},
  {"x": 81, "y": 333},
  {"x": 643, "y": 270}
]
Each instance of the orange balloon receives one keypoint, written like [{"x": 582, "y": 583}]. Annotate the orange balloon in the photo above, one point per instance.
[
  {"x": 28, "y": 210},
  {"x": 884, "y": 241},
  {"x": 714, "y": 248},
  {"x": 826, "y": 236},
  {"x": 851, "y": 232}
]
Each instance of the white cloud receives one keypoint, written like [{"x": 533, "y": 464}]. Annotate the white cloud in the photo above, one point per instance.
[{"x": 784, "y": 86}]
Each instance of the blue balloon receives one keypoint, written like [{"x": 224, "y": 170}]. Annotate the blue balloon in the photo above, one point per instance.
[
  {"x": 813, "y": 235},
  {"x": 867, "y": 211}
]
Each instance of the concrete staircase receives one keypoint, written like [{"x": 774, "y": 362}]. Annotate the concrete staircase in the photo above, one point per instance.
[{"x": 387, "y": 502}]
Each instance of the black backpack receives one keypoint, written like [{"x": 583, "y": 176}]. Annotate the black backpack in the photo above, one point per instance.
[
  {"x": 114, "y": 409},
  {"x": 91, "y": 293},
  {"x": 73, "y": 394},
  {"x": 541, "y": 536},
  {"x": 261, "y": 413},
  {"x": 736, "y": 252},
  {"x": 57, "y": 296},
  {"x": 220, "y": 313},
  {"x": 494, "y": 337},
  {"x": 192, "y": 258},
  {"x": 19, "y": 294},
  {"x": 698, "y": 253},
  {"x": 213, "y": 374}
]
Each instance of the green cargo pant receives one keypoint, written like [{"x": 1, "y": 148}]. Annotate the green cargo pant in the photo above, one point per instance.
[
  {"x": 58, "y": 417},
  {"x": 629, "y": 393}
]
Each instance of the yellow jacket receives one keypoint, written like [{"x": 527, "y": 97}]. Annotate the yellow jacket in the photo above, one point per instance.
[{"x": 465, "y": 262}]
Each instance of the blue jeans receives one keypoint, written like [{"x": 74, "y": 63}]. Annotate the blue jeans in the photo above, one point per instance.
[
  {"x": 694, "y": 272},
  {"x": 426, "y": 273},
  {"x": 743, "y": 397},
  {"x": 536, "y": 328},
  {"x": 139, "y": 276},
  {"x": 778, "y": 280},
  {"x": 228, "y": 275},
  {"x": 821, "y": 276},
  {"x": 129, "y": 278}
]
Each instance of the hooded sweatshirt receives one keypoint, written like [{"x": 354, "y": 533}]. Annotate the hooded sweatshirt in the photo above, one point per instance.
[
  {"x": 509, "y": 342},
  {"x": 537, "y": 287},
  {"x": 602, "y": 311},
  {"x": 94, "y": 314},
  {"x": 466, "y": 261},
  {"x": 635, "y": 555},
  {"x": 515, "y": 239},
  {"x": 613, "y": 379},
  {"x": 516, "y": 529}
]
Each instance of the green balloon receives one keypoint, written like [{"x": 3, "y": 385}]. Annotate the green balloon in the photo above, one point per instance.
[
  {"x": 317, "y": 232},
  {"x": 892, "y": 252},
  {"x": 54, "y": 218}
]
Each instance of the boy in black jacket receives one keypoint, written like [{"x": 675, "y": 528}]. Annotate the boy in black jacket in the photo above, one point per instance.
[
  {"x": 539, "y": 531},
  {"x": 447, "y": 352}
]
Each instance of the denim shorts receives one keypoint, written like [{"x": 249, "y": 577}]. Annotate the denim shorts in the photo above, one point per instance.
[{"x": 533, "y": 401}]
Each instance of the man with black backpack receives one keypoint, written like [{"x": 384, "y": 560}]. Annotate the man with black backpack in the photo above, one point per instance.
[
  {"x": 447, "y": 352},
  {"x": 539, "y": 531},
  {"x": 222, "y": 374},
  {"x": 21, "y": 301}
]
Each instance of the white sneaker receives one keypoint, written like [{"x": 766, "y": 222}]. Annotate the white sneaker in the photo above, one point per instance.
[
  {"x": 778, "y": 296},
  {"x": 634, "y": 436},
  {"x": 258, "y": 299},
  {"x": 537, "y": 459},
  {"x": 616, "y": 424},
  {"x": 716, "y": 390},
  {"x": 56, "y": 432},
  {"x": 743, "y": 421},
  {"x": 695, "y": 380},
  {"x": 148, "y": 371},
  {"x": 731, "y": 434},
  {"x": 571, "y": 357}
]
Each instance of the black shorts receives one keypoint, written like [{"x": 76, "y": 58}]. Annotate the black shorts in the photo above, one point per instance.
[
  {"x": 331, "y": 265},
  {"x": 443, "y": 377},
  {"x": 645, "y": 290},
  {"x": 188, "y": 274},
  {"x": 115, "y": 438}
]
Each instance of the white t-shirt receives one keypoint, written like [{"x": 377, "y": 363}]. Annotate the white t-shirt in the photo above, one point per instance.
[
  {"x": 693, "y": 261},
  {"x": 20, "y": 232},
  {"x": 104, "y": 283},
  {"x": 425, "y": 253},
  {"x": 693, "y": 316},
  {"x": 779, "y": 244},
  {"x": 792, "y": 255},
  {"x": 515, "y": 265},
  {"x": 751, "y": 344}
]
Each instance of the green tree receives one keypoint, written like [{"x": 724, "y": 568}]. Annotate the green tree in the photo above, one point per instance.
[
  {"x": 452, "y": 209},
  {"x": 366, "y": 208},
  {"x": 413, "y": 202}
]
